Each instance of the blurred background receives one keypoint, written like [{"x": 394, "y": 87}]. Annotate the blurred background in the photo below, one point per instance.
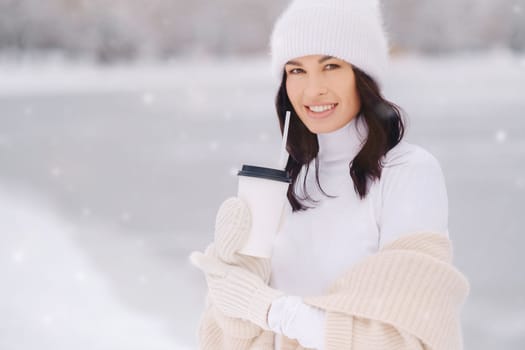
[{"x": 122, "y": 125}]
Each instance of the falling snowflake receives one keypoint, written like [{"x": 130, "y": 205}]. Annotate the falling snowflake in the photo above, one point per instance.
[
  {"x": 125, "y": 216},
  {"x": 80, "y": 276},
  {"x": 233, "y": 171},
  {"x": 263, "y": 136},
  {"x": 148, "y": 98},
  {"x": 47, "y": 319},
  {"x": 18, "y": 256},
  {"x": 56, "y": 171},
  {"x": 28, "y": 110},
  {"x": 500, "y": 136},
  {"x": 143, "y": 279},
  {"x": 86, "y": 212},
  {"x": 213, "y": 146}
]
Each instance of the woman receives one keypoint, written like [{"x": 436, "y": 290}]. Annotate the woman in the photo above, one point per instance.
[{"x": 368, "y": 265}]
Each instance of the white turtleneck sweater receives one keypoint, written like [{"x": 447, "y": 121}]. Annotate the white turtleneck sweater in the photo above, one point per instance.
[{"x": 315, "y": 246}]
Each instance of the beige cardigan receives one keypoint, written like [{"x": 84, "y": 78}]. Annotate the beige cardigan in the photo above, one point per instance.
[{"x": 406, "y": 296}]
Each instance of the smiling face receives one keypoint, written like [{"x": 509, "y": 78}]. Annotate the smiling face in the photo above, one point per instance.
[{"x": 322, "y": 91}]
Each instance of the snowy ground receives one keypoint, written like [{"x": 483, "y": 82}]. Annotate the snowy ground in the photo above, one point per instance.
[{"x": 109, "y": 177}]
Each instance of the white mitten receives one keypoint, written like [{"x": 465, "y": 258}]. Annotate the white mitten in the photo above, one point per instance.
[
  {"x": 232, "y": 227},
  {"x": 234, "y": 290}
]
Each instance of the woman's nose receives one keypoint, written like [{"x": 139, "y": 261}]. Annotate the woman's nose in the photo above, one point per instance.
[{"x": 316, "y": 86}]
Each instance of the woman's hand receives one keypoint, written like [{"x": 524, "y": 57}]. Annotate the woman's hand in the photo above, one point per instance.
[
  {"x": 235, "y": 291},
  {"x": 232, "y": 227}
]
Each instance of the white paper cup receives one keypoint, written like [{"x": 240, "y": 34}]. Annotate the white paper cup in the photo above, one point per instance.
[{"x": 264, "y": 190}]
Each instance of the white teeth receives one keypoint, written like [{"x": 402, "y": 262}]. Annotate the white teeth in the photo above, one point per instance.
[{"x": 319, "y": 109}]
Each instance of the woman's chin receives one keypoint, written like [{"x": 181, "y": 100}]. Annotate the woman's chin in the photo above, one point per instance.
[{"x": 321, "y": 128}]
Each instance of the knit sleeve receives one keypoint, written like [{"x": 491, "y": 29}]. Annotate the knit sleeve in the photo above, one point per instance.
[
  {"x": 357, "y": 333},
  {"x": 414, "y": 197},
  {"x": 314, "y": 328},
  {"x": 406, "y": 295}
]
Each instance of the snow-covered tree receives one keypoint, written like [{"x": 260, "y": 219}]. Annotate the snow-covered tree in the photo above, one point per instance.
[{"x": 126, "y": 29}]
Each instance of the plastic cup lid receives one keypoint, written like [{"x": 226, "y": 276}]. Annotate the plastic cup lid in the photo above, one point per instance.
[{"x": 265, "y": 173}]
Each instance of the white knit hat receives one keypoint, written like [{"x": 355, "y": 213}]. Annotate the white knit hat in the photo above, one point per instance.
[{"x": 351, "y": 30}]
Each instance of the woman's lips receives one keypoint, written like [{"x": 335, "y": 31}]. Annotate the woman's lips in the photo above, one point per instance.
[{"x": 320, "y": 115}]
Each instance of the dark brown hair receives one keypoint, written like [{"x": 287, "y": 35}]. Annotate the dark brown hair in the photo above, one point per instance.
[{"x": 386, "y": 129}]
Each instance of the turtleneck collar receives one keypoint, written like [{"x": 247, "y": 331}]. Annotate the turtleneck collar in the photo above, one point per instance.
[{"x": 344, "y": 143}]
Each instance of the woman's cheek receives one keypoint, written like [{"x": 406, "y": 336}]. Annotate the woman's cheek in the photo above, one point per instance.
[{"x": 292, "y": 94}]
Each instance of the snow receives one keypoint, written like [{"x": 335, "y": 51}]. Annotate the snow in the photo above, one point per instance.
[
  {"x": 110, "y": 177},
  {"x": 53, "y": 295}
]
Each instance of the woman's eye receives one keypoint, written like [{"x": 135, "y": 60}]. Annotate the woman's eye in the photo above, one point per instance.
[
  {"x": 294, "y": 70},
  {"x": 332, "y": 66}
]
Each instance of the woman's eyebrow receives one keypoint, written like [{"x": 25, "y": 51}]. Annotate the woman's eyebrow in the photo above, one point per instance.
[{"x": 321, "y": 60}]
